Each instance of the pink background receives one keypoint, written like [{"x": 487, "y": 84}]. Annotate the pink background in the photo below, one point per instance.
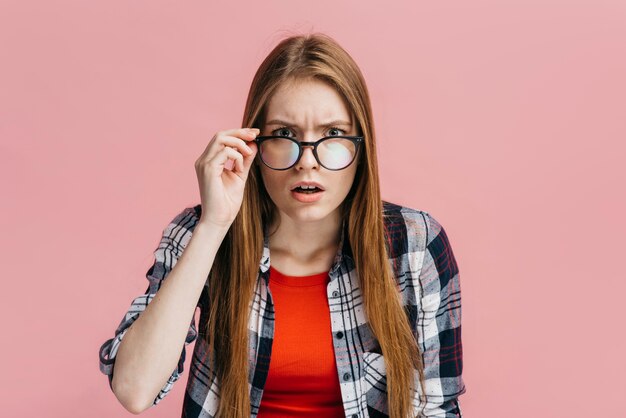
[{"x": 503, "y": 119}]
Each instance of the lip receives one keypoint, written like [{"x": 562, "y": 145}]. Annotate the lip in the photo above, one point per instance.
[
  {"x": 307, "y": 198},
  {"x": 307, "y": 183}
]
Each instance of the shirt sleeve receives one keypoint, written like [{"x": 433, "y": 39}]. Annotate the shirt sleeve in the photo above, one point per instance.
[
  {"x": 174, "y": 239},
  {"x": 439, "y": 326}
]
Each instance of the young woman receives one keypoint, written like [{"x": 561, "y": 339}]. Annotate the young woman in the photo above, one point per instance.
[{"x": 358, "y": 313}]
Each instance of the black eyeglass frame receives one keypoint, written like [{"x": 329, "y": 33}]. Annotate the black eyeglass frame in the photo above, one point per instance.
[{"x": 356, "y": 140}]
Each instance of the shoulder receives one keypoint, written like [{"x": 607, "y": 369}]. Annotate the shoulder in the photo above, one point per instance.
[
  {"x": 421, "y": 249},
  {"x": 407, "y": 228},
  {"x": 186, "y": 218},
  {"x": 420, "y": 253},
  {"x": 417, "y": 226},
  {"x": 179, "y": 229}
]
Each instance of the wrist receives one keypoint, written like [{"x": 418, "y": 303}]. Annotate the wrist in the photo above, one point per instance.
[{"x": 212, "y": 228}]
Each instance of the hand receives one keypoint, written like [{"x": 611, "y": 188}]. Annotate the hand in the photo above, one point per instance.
[{"x": 222, "y": 171}]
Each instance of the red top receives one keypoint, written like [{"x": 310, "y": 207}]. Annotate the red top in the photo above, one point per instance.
[{"x": 303, "y": 380}]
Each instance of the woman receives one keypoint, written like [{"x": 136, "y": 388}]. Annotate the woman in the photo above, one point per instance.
[{"x": 359, "y": 309}]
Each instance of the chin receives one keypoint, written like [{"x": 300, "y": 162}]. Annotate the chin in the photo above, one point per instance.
[
  {"x": 308, "y": 214},
  {"x": 311, "y": 213}
]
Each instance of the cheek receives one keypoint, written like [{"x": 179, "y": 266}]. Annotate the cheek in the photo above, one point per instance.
[
  {"x": 342, "y": 186},
  {"x": 273, "y": 183},
  {"x": 350, "y": 177}
]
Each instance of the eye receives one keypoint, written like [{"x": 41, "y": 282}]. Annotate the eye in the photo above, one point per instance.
[
  {"x": 336, "y": 132},
  {"x": 282, "y": 131}
]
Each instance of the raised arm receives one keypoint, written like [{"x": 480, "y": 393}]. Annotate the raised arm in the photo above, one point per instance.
[
  {"x": 146, "y": 356},
  {"x": 149, "y": 343}
]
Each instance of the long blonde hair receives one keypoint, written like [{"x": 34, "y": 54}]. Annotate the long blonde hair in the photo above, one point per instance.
[{"x": 233, "y": 276}]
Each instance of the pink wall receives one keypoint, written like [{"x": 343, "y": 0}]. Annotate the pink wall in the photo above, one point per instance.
[{"x": 504, "y": 119}]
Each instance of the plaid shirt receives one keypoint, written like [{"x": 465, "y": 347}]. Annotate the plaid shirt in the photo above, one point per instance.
[{"x": 428, "y": 278}]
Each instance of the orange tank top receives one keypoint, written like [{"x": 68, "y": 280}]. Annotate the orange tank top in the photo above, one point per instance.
[{"x": 302, "y": 380}]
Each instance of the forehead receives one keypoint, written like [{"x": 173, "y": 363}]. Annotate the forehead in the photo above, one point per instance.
[{"x": 310, "y": 100}]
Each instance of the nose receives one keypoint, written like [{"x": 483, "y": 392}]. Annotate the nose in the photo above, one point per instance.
[{"x": 307, "y": 160}]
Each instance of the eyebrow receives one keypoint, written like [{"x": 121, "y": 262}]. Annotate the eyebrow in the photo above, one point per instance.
[{"x": 323, "y": 125}]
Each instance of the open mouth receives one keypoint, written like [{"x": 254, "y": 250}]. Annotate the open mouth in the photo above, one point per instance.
[{"x": 307, "y": 190}]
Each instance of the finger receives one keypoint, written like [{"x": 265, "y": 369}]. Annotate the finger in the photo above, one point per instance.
[
  {"x": 238, "y": 163},
  {"x": 242, "y": 145},
  {"x": 248, "y": 159},
  {"x": 222, "y": 141},
  {"x": 244, "y": 134},
  {"x": 241, "y": 132},
  {"x": 221, "y": 159}
]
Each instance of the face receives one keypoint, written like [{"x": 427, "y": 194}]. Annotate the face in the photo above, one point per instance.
[{"x": 304, "y": 109}]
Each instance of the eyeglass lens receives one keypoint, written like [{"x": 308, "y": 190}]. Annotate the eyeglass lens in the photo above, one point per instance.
[{"x": 334, "y": 153}]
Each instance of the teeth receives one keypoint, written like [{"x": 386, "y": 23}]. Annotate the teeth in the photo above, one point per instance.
[{"x": 306, "y": 187}]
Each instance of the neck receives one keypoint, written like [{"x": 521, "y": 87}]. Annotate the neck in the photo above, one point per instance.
[{"x": 305, "y": 242}]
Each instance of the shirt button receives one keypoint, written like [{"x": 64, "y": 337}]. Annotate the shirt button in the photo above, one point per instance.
[
  {"x": 346, "y": 376},
  {"x": 339, "y": 334},
  {"x": 355, "y": 416},
  {"x": 335, "y": 293}
]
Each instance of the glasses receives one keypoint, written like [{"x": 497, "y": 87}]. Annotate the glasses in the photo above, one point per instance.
[{"x": 331, "y": 152}]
